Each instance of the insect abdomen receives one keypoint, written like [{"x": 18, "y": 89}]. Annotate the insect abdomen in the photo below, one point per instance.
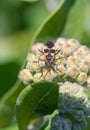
[{"x": 49, "y": 59}]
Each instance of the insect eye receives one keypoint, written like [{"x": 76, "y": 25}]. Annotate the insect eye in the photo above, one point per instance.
[
  {"x": 52, "y": 51},
  {"x": 46, "y": 50}
]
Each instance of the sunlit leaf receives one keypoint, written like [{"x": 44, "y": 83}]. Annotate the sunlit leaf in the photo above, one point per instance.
[
  {"x": 78, "y": 22},
  {"x": 14, "y": 47}
]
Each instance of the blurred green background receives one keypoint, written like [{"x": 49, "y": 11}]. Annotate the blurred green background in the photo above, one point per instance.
[{"x": 18, "y": 22}]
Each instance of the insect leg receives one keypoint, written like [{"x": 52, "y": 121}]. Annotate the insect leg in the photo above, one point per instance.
[
  {"x": 45, "y": 74},
  {"x": 57, "y": 51},
  {"x": 57, "y": 58},
  {"x": 41, "y": 70},
  {"x": 54, "y": 64},
  {"x": 35, "y": 61},
  {"x": 56, "y": 68},
  {"x": 53, "y": 68},
  {"x": 48, "y": 72}
]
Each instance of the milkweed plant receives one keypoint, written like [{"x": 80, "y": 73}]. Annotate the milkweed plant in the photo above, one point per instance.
[{"x": 70, "y": 70}]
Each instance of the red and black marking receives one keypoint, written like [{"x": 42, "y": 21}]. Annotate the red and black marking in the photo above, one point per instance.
[{"x": 49, "y": 53}]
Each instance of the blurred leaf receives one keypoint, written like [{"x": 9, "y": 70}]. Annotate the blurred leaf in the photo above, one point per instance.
[
  {"x": 78, "y": 22},
  {"x": 30, "y": 0},
  {"x": 88, "y": 125},
  {"x": 15, "y": 47},
  {"x": 7, "y": 104},
  {"x": 13, "y": 51},
  {"x": 11, "y": 127},
  {"x": 38, "y": 8},
  {"x": 35, "y": 101},
  {"x": 87, "y": 91},
  {"x": 54, "y": 4},
  {"x": 8, "y": 76}
]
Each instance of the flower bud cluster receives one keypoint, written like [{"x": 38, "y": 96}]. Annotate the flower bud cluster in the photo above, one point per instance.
[
  {"x": 60, "y": 123},
  {"x": 72, "y": 63},
  {"x": 77, "y": 60},
  {"x": 74, "y": 104}
]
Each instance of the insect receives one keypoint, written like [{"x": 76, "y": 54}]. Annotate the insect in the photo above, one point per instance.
[{"x": 49, "y": 53}]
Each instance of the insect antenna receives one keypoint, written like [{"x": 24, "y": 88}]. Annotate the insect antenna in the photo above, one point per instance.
[{"x": 41, "y": 51}]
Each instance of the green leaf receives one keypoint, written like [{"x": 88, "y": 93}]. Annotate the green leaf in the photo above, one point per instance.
[
  {"x": 87, "y": 91},
  {"x": 7, "y": 104},
  {"x": 11, "y": 127},
  {"x": 35, "y": 101},
  {"x": 54, "y": 24},
  {"x": 14, "y": 47},
  {"x": 8, "y": 76},
  {"x": 29, "y": 0},
  {"x": 78, "y": 22},
  {"x": 88, "y": 124}
]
